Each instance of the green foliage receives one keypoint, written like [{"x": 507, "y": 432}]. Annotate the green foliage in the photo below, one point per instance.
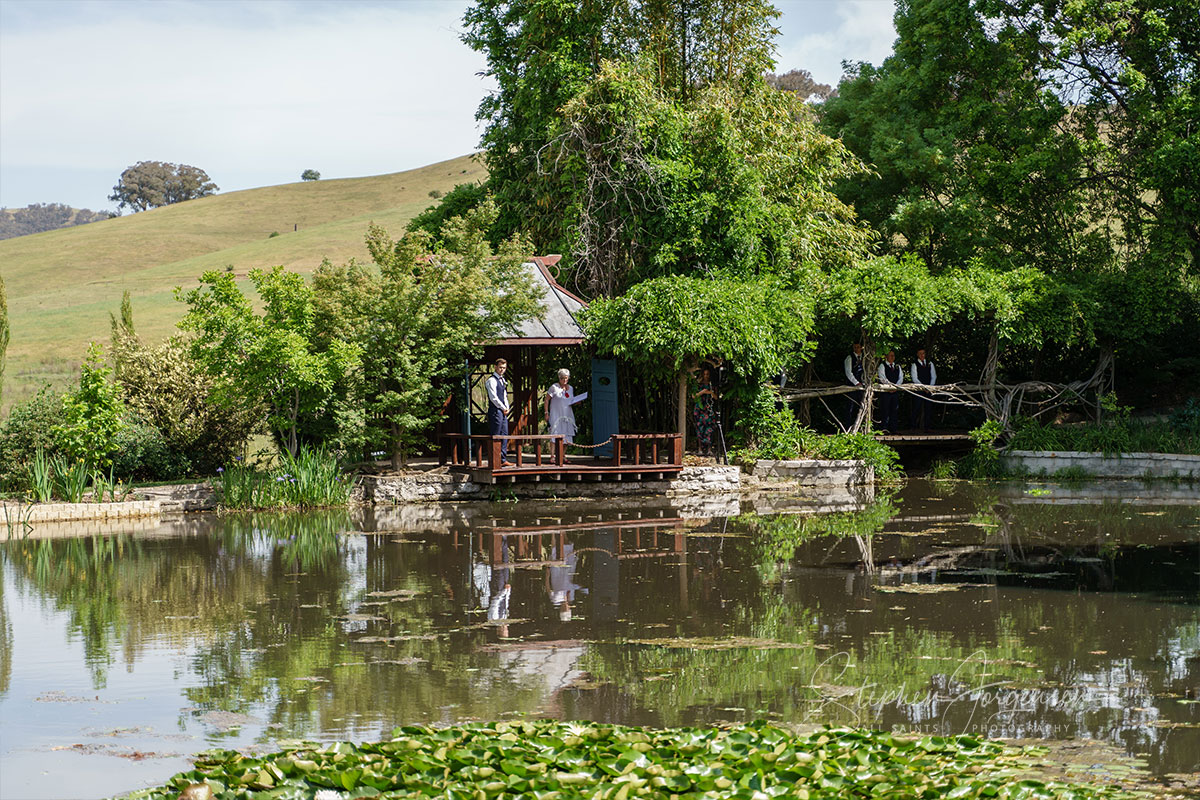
[
  {"x": 665, "y": 325},
  {"x": 151, "y": 184},
  {"x": 4, "y": 334},
  {"x": 943, "y": 470},
  {"x": 735, "y": 182},
  {"x": 181, "y": 420},
  {"x": 71, "y": 478},
  {"x": 39, "y": 217},
  {"x": 781, "y": 437},
  {"x": 28, "y": 430},
  {"x": 585, "y": 759},
  {"x": 310, "y": 175},
  {"x": 92, "y": 415},
  {"x": 41, "y": 477},
  {"x": 273, "y": 358},
  {"x": 1114, "y": 435},
  {"x": 983, "y": 462},
  {"x": 143, "y": 453},
  {"x": 313, "y": 478},
  {"x": 1048, "y": 137},
  {"x": 457, "y": 202},
  {"x": 417, "y": 318}
]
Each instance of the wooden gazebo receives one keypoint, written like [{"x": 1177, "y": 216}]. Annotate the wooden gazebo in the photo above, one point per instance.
[{"x": 464, "y": 441}]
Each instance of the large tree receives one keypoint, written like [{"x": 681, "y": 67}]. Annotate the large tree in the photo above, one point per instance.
[
  {"x": 541, "y": 53},
  {"x": 417, "y": 315},
  {"x": 151, "y": 184}
]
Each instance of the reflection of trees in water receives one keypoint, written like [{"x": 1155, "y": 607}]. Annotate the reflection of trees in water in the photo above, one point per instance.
[
  {"x": 775, "y": 537},
  {"x": 6, "y": 641}
]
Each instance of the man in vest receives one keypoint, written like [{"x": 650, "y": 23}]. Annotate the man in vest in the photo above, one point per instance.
[
  {"x": 890, "y": 374},
  {"x": 497, "y": 391},
  {"x": 924, "y": 373},
  {"x": 853, "y": 367}
]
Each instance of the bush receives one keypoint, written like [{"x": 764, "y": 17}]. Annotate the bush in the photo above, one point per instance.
[
  {"x": 782, "y": 437},
  {"x": 165, "y": 388},
  {"x": 91, "y": 415},
  {"x": 143, "y": 453},
  {"x": 29, "y": 427}
]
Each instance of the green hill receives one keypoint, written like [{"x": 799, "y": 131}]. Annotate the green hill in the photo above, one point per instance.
[{"x": 63, "y": 284}]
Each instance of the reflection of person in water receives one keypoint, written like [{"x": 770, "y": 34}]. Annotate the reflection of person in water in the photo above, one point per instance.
[
  {"x": 501, "y": 588},
  {"x": 560, "y": 581}
]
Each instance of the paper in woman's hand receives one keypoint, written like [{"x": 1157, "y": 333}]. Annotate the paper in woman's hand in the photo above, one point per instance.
[{"x": 579, "y": 398}]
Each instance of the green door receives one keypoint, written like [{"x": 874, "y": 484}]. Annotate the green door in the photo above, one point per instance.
[{"x": 604, "y": 404}]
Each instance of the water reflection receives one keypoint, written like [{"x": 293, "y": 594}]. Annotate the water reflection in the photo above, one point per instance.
[{"x": 943, "y": 608}]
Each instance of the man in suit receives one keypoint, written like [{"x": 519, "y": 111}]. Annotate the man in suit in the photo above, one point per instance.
[
  {"x": 497, "y": 391},
  {"x": 890, "y": 374},
  {"x": 924, "y": 373}
]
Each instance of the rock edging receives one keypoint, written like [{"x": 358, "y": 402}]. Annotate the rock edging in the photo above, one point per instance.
[
  {"x": 1099, "y": 465},
  {"x": 815, "y": 472}
]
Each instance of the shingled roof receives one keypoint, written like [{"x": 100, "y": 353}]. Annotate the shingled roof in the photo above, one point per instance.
[{"x": 558, "y": 325}]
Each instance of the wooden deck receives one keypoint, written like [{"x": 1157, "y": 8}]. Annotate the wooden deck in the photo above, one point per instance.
[{"x": 636, "y": 457}]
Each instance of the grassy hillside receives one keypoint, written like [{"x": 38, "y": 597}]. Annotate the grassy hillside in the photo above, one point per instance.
[{"x": 63, "y": 284}]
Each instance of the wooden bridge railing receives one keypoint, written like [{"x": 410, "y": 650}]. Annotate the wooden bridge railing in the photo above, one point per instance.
[
  {"x": 647, "y": 448},
  {"x": 456, "y": 449}
]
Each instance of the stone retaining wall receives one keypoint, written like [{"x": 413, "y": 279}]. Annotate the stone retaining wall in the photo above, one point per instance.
[
  {"x": 813, "y": 472},
  {"x": 1126, "y": 465},
  {"x": 434, "y": 486},
  {"x": 19, "y": 513}
]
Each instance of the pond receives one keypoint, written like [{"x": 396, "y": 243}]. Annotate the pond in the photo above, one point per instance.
[{"x": 1024, "y": 611}]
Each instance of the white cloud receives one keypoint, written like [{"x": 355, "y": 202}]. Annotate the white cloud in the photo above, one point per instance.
[
  {"x": 350, "y": 91},
  {"x": 819, "y": 35}
]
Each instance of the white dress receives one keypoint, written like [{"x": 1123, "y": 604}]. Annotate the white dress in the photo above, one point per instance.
[{"x": 562, "y": 417}]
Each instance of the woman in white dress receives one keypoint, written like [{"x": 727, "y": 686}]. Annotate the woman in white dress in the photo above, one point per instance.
[{"x": 558, "y": 407}]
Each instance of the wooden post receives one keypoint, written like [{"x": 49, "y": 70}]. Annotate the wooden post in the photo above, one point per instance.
[
  {"x": 681, "y": 391},
  {"x": 616, "y": 460},
  {"x": 560, "y": 450},
  {"x": 677, "y": 455},
  {"x": 493, "y": 454}
]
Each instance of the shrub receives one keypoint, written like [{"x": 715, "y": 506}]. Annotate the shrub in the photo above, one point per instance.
[
  {"x": 165, "y": 388},
  {"x": 783, "y": 437},
  {"x": 28, "y": 429},
  {"x": 143, "y": 453},
  {"x": 91, "y": 415}
]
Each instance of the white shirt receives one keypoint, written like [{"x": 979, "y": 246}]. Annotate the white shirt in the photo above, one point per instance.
[
  {"x": 932, "y": 373},
  {"x": 883, "y": 373},
  {"x": 853, "y": 381},
  {"x": 497, "y": 389}
]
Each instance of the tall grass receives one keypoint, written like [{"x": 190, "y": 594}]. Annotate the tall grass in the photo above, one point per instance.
[
  {"x": 313, "y": 478},
  {"x": 41, "y": 477},
  {"x": 70, "y": 478}
]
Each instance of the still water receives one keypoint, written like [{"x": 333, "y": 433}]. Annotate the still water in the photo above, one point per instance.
[{"x": 1027, "y": 611}]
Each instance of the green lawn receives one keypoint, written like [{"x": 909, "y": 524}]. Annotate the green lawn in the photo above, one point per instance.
[{"x": 63, "y": 284}]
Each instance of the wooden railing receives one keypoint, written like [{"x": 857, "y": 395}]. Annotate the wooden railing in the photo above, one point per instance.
[
  {"x": 647, "y": 448},
  {"x": 456, "y": 449}
]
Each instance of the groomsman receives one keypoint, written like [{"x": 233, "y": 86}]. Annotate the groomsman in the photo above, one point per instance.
[
  {"x": 497, "y": 391},
  {"x": 889, "y": 402},
  {"x": 853, "y": 367},
  {"x": 924, "y": 373}
]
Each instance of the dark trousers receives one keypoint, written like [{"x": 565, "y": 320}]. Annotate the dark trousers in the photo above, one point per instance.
[
  {"x": 922, "y": 411},
  {"x": 853, "y": 404},
  {"x": 889, "y": 410},
  {"x": 498, "y": 426}
]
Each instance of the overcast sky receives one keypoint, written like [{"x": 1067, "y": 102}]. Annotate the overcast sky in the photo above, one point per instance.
[{"x": 256, "y": 91}]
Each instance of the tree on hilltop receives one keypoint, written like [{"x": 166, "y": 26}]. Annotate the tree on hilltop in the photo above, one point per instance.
[
  {"x": 310, "y": 175},
  {"x": 151, "y": 184}
]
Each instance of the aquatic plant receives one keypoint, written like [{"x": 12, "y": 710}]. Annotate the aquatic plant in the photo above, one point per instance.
[
  {"x": 313, "y": 478},
  {"x": 568, "y": 760},
  {"x": 41, "y": 477},
  {"x": 70, "y": 478}
]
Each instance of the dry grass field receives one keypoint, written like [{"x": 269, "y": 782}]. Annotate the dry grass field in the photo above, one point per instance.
[{"x": 63, "y": 284}]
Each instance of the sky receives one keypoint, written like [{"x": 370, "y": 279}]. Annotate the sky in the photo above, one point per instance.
[{"x": 256, "y": 91}]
